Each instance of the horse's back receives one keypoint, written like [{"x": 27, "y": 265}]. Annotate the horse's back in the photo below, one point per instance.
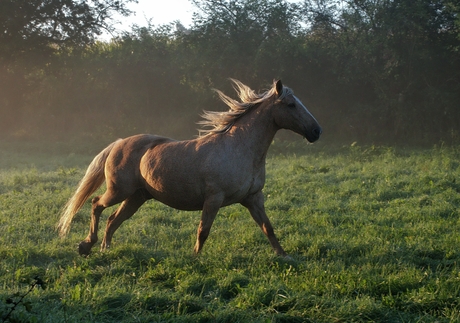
[
  {"x": 122, "y": 167},
  {"x": 131, "y": 149}
]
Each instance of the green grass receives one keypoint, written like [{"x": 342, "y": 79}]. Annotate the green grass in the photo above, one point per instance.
[{"x": 373, "y": 233}]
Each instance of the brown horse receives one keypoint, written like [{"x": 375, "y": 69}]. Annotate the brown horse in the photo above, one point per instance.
[{"x": 223, "y": 166}]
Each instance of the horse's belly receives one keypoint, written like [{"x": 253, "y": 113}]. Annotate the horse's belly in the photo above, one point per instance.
[
  {"x": 181, "y": 205},
  {"x": 193, "y": 202},
  {"x": 178, "y": 195},
  {"x": 184, "y": 195}
]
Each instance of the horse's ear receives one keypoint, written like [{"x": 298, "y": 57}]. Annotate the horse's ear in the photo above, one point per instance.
[{"x": 279, "y": 87}]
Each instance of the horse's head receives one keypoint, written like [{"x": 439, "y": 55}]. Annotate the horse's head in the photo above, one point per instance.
[{"x": 290, "y": 113}]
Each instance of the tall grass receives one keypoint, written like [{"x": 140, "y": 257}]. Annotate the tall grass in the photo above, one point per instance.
[{"x": 373, "y": 233}]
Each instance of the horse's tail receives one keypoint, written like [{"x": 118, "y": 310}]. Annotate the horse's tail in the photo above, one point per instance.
[{"x": 93, "y": 179}]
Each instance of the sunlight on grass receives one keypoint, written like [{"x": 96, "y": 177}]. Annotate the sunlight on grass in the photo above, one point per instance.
[{"x": 373, "y": 233}]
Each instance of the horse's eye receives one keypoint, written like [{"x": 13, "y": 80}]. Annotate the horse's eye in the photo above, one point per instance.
[{"x": 291, "y": 105}]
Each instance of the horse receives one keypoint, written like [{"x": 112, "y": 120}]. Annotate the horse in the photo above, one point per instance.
[{"x": 224, "y": 165}]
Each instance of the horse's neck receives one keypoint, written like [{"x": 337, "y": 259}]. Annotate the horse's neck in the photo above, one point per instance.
[{"x": 256, "y": 131}]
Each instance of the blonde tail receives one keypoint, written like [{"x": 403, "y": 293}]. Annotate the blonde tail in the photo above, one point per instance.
[{"x": 93, "y": 179}]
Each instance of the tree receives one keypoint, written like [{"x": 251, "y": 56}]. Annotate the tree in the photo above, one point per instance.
[
  {"x": 394, "y": 60},
  {"x": 32, "y": 31},
  {"x": 40, "y": 26},
  {"x": 242, "y": 39}
]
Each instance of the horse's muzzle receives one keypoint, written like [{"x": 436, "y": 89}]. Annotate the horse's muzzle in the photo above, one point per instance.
[{"x": 314, "y": 134}]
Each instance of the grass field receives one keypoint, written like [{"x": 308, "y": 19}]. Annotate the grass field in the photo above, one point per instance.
[{"x": 374, "y": 234}]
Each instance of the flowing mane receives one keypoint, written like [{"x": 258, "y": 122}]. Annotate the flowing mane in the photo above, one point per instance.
[{"x": 220, "y": 122}]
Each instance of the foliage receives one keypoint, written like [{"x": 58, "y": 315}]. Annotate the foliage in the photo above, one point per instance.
[
  {"x": 395, "y": 59},
  {"x": 30, "y": 26},
  {"x": 379, "y": 72},
  {"x": 18, "y": 299},
  {"x": 31, "y": 34},
  {"x": 373, "y": 233}
]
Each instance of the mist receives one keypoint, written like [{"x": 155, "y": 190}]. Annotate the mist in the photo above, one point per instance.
[{"x": 393, "y": 79}]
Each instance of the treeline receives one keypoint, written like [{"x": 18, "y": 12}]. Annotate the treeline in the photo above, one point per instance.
[{"x": 373, "y": 71}]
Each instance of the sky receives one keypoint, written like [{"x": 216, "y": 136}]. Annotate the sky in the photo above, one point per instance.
[{"x": 159, "y": 11}]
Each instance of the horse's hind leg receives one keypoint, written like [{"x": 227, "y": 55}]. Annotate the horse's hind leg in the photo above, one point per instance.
[
  {"x": 124, "y": 212},
  {"x": 98, "y": 204},
  {"x": 84, "y": 247}
]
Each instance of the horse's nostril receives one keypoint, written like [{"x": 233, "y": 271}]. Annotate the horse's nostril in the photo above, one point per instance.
[{"x": 317, "y": 131}]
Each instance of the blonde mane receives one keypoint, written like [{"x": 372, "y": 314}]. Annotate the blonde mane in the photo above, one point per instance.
[{"x": 220, "y": 122}]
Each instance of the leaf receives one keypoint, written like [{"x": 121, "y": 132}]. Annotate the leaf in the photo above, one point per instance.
[{"x": 27, "y": 306}]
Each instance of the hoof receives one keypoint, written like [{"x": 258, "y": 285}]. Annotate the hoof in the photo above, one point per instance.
[
  {"x": 84, "y": 248},
  {"x": 105, "y": 248}
]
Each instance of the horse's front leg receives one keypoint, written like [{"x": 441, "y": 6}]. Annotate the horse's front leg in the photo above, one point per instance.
[
  {"x": 255, "y": 205},
  {"x": 210, "y": 208}
]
